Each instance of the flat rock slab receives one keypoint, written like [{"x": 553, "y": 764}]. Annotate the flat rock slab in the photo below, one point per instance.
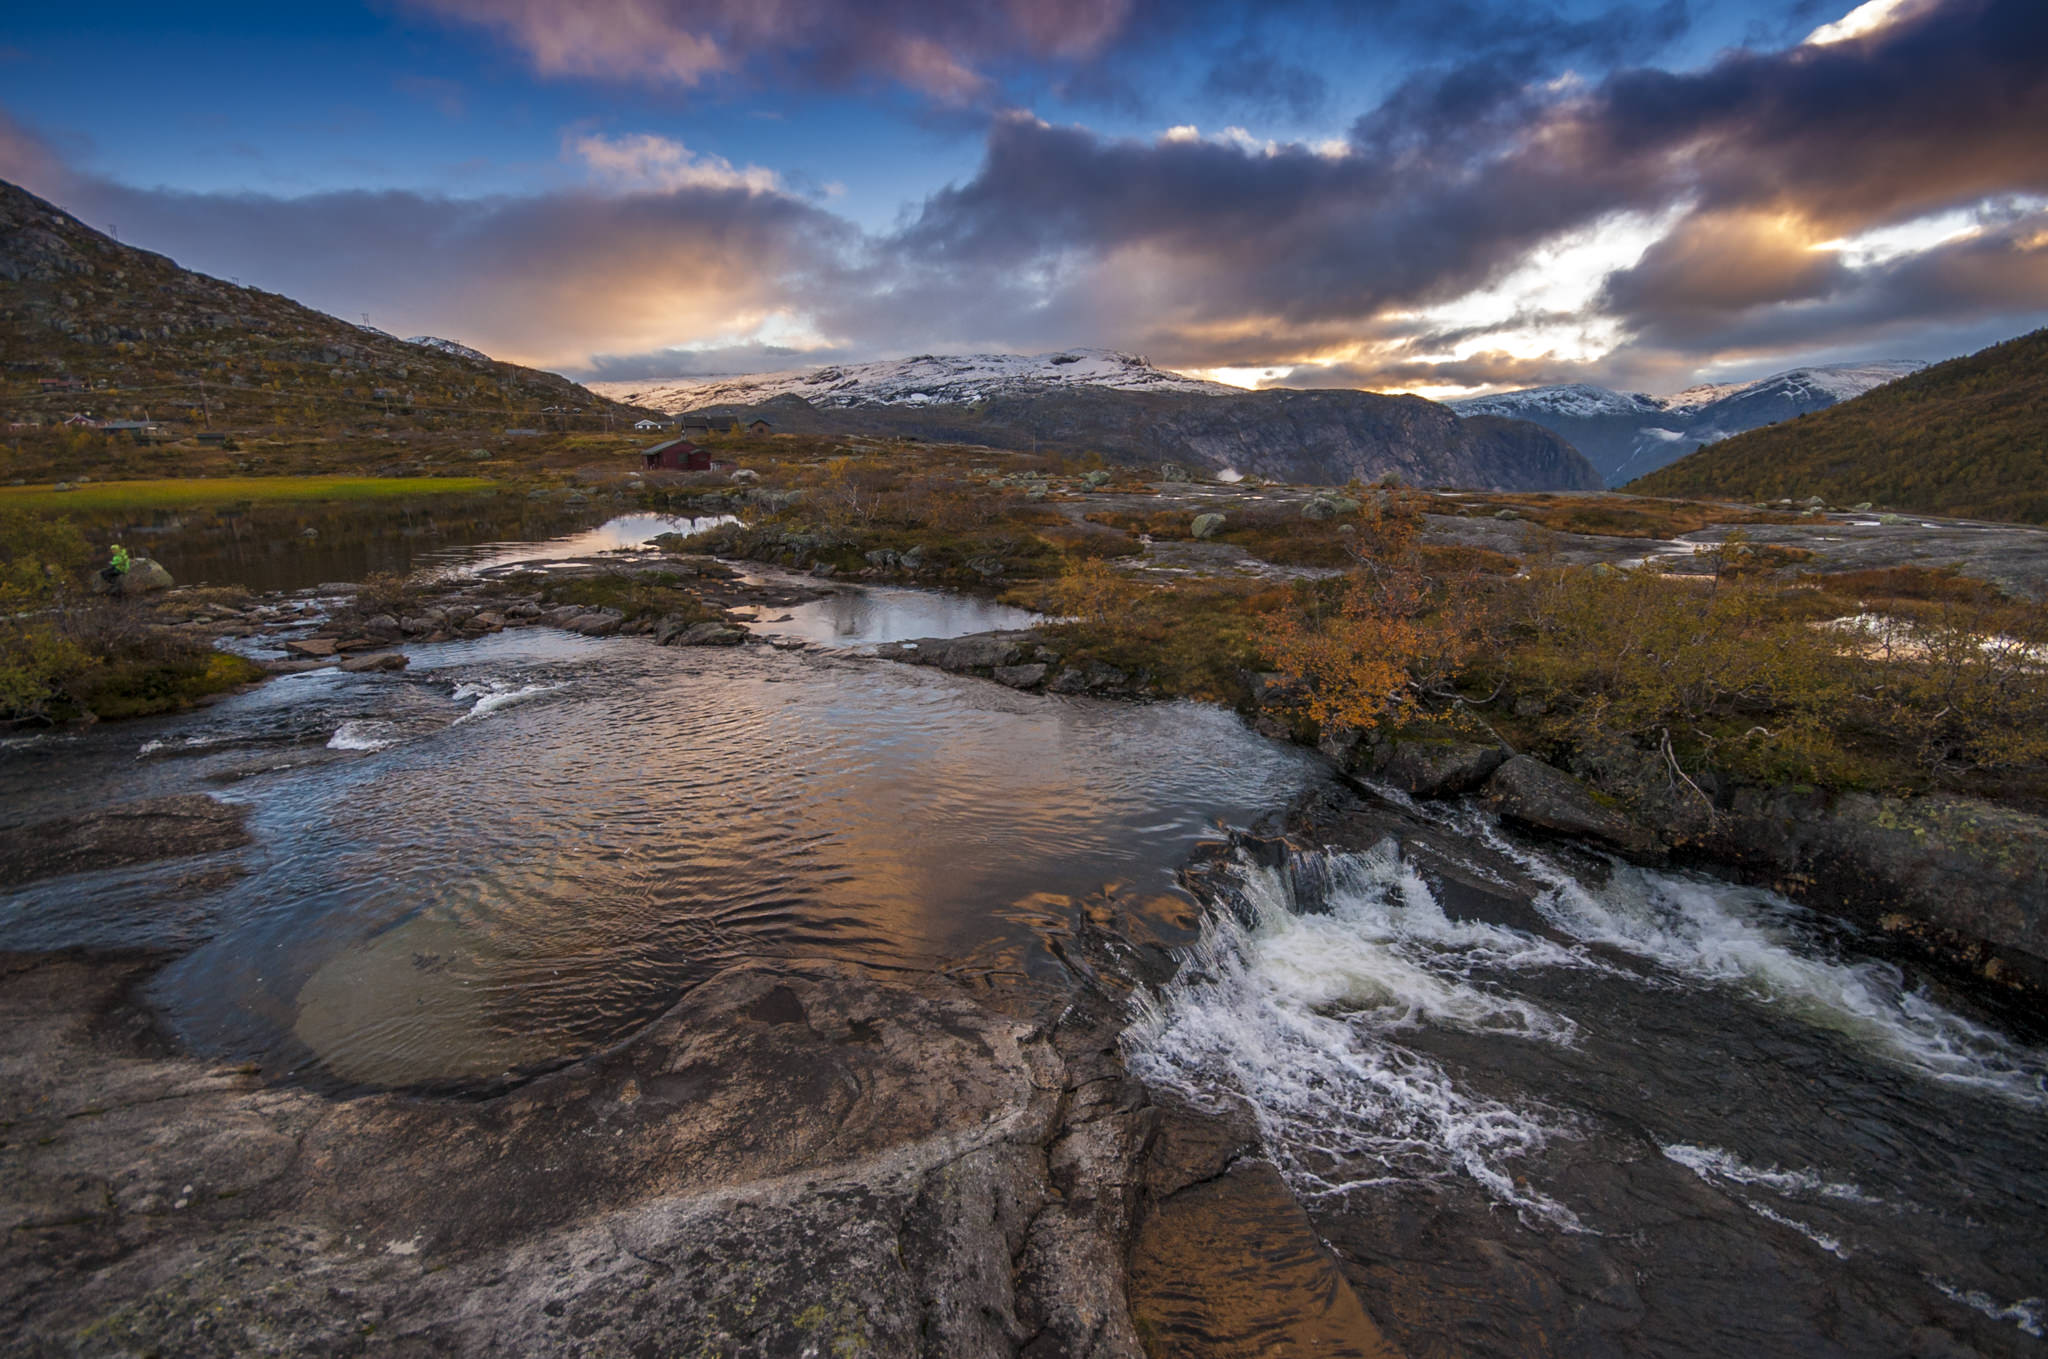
[{"x": 128, "y": 833}]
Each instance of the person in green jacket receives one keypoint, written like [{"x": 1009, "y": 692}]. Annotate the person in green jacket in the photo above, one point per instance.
[{"x": 116, "y": 567}]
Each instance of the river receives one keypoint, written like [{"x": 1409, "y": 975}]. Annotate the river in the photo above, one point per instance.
[{"x": 1645, "y": 1113}]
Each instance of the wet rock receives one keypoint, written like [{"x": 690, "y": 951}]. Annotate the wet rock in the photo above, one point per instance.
[
  {"x": 1436, "y": 769},
  {"x": 805, "y": 1158},
  {"x": 974, "y": 652},
  {"x": 315, "y": 648},
  {"x": 596, "y": 624},
  {"x": 382, "y": 626},
  {"x": 703, "y": 634},
  {"x": 1020, "y": 676},
  {"x": 1206, "y": 526},
  {"x": 1089, "y": 677},
  {"x": 1966, "y": 868},
  {"x": 377, "y": 661},
  {"x": 1528, "y": 791},
  {"x": 127, "y": 833},
  {"x": 1173, "y": 471}
]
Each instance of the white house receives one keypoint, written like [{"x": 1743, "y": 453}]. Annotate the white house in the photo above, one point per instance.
[{"x": 650, "y": 424}]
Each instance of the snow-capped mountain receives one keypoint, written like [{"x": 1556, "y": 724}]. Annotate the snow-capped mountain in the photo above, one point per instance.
[
  {"x": 927, "y": 379},
  {"x": 1630, "y": 434},
  {"x": 460, "y": 351}
]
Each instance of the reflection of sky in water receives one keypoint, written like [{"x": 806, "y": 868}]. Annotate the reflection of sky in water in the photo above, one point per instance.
[
  {"x": 869, "y": 616},
  {"x": 624, "y": 533},
  {"x": 542, "y": 878}
]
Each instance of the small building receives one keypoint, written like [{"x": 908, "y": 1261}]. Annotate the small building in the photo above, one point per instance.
[
  {"x": 80, "y": 422},
  {"x": 522, "y": 434},
  {"x": 677, "y": 455},
  {"x": 60, "y": 384},
  {"x": 694, "y": 429},
  {"x": 142, "y": 431},
  {"x": 649, "y": 424},
  {"x": 212, "y": 436},
  {"x": 759, "y": 426}
]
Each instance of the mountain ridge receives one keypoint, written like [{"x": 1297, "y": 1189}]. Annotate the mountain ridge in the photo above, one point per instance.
[
  {"x": 1629, "y": 434},
  {"x": 1966, "y": 437},
  {"x": 1328, "y": 436},
  {"x": 924, "y": 379}
]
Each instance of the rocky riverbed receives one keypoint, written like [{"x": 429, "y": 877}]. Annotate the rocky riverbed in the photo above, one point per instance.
[{"x": 817, "y": 1117}]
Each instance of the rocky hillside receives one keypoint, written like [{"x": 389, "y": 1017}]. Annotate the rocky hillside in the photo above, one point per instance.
[
  {"x": 144, "y": 338},
  {"x": 1968, "y": 437},
  {"x": 925, "y": 380},
  {"x": 1628, "y": 434},
  {"x": 1329, "y": 437}
]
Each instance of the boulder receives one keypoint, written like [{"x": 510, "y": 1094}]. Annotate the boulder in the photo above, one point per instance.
[
  {"x": 316, "y": 648},
  {"x": 976, "y": 651},
  {"x": 1089, "y": 677},
  {"x": 1020, "y": 676},
  {"x": 704, "y": 634},
  {"x": 1173, "y": 471},
  {"x": 1326, "y": 507},
  {"x": 381, "y": 660},
  {"x": 1206, "y": 526},
  {"x": 1530, "y": 792},
  {"x": 143, "y": 576},
  {"x": 1435, "y": 769}
]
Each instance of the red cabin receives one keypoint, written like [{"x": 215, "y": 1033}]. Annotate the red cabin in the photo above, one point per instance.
[{"x": 677, "y": 455}]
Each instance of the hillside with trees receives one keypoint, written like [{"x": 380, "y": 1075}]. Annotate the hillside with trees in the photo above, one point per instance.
[{"x": 1968, "y": 437}]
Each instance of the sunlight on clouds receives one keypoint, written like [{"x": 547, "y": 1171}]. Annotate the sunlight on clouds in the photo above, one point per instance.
[
  {"x": 1882, "y": 245},
  {"x": 1865, "y": 18},
  {"x": 643, "y": 163}
]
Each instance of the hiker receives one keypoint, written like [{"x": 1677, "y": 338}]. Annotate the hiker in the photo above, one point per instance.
[{"x": 117, "y": 564}]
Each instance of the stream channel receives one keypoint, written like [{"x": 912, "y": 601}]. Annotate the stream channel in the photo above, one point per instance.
[{"x": 1653, "y": 1113}]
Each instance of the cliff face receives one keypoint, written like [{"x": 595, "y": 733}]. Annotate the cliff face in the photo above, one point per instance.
[{"x": 1297, "y": 436}]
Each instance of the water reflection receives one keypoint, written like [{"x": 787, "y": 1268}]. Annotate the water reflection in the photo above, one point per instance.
[
  {"x": 624, "y": 533},
  {"x": 872, "y": 615},
  {"x": 294, "y": 547},
  {"x": 502, "y": 891}
]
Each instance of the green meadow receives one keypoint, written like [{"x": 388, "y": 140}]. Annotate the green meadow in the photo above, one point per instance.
[{"x": 188, "y": 492}]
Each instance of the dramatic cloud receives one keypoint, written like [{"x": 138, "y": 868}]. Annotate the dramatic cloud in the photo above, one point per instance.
[
  {"x": 933, "y": 46},
  {"x": 1208, "y": 251},
  {"x": 1486, "y": 223}
]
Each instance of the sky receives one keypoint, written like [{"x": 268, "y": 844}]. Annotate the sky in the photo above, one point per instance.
[{"x": 1438, "y": 196}]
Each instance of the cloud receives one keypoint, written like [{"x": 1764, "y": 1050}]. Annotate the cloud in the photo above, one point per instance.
[
  {"x": 1212, "y": 253},
  {"x": 1262, "y": 82},
  {"x": 932, "y": 46},
  {"x": 643, "y": 163},
  {"x": 1878, "y": 184}
]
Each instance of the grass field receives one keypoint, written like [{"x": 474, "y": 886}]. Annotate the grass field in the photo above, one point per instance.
[{"x": 187, "y": 492}]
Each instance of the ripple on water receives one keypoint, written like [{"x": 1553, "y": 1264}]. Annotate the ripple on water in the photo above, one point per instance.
[{"x": 614, "y": 821}]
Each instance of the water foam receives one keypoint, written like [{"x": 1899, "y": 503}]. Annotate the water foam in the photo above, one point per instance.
[
  {"x": 1712, "y": 1164},
  {"x": 1297, "y": 1013},
  {"x": 492, "y": 694},
  {"x": 2029, "y": 1314},
  {"x": 1725, "y": 934},
  {"x": 362, "y": 735}
]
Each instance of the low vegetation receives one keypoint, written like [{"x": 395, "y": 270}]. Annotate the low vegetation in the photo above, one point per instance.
[
  {"x": 166, "y": 493},
  {"x": 65, "y": 653}
]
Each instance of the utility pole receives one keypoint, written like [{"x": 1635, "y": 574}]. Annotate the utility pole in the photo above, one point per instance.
[{"x": 205, "y": 411}]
